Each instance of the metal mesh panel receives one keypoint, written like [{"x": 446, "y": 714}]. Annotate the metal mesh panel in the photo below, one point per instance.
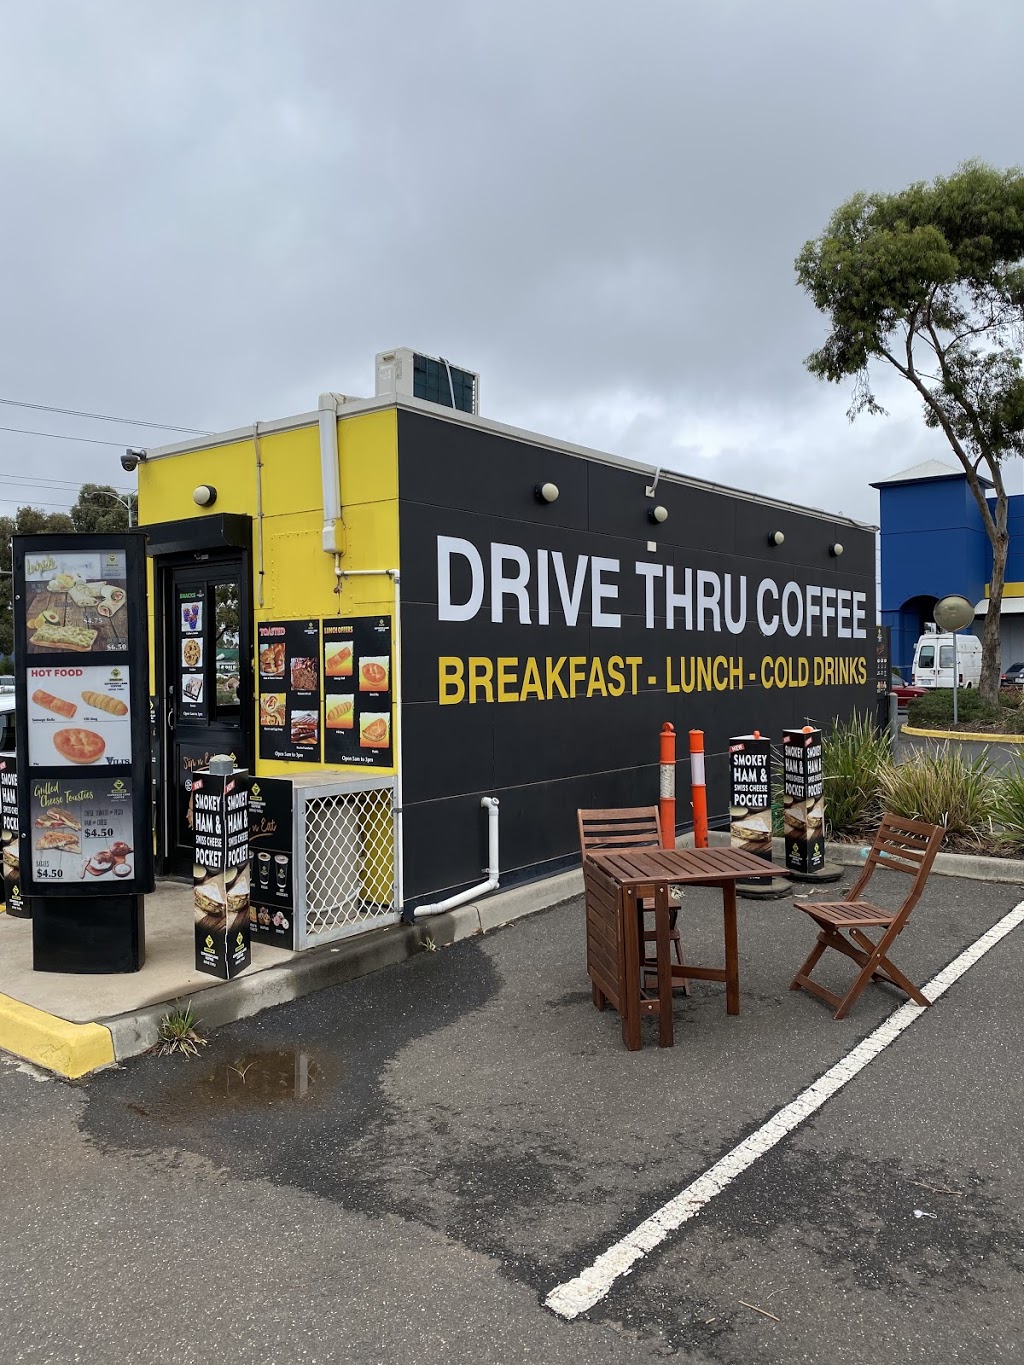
[{"x": 350, "y": 862}]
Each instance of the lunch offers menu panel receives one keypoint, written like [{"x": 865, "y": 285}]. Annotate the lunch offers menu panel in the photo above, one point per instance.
[{"x": 357, "y": 691}]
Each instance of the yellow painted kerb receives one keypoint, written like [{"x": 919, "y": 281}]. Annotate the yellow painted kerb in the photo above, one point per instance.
[
  {"x": 71, "y": 1050},
  {"x": 969, "y": 735}
]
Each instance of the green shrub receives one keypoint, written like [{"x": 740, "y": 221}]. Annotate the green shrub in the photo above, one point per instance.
[
  {"x": 943, "y": 788},
  {"x": 934, "y": 711},
  {"x": 1009, "y": 806},
  {"x": 852, "y": 756}
]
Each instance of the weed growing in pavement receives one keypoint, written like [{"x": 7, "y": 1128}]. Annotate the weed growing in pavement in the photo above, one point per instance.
[{"x": 177, "y": 1033}]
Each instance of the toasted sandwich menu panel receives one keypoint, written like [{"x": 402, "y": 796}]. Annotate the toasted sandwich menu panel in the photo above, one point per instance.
[
  {"x": 82, "y": 713},
  {"x": 289, "y": 671}
]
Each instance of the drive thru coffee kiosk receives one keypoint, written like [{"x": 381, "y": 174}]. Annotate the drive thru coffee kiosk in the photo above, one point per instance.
[{"x": 388, "y": 611}]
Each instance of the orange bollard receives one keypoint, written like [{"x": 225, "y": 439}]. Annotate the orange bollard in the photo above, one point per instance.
[
  {"x": 667, "y": 789},
  {"x": 698, "y": 789}
]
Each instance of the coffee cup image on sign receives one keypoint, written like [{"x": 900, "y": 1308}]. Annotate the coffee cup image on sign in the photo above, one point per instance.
[
  {"x": 338, "y": 659},
  {"x": 374, "y": 673},
  {"x": 374, "y": 730},
  {"x": 341, "y": 713},
  {"x": 263, "y": 870}
]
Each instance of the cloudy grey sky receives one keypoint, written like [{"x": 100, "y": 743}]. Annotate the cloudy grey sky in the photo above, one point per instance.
[{"x": 212, "y": 211}]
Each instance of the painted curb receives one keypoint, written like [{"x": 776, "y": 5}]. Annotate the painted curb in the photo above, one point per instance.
[
  {"x": 969, "y": 736},
  {"x": 71, "y": 1050}
]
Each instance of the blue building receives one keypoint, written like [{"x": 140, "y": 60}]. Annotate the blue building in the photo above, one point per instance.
[{"x": 933, "y": 543}]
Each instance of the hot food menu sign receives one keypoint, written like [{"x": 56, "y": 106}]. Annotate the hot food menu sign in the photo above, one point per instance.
[{"x": 82, "y": 713}]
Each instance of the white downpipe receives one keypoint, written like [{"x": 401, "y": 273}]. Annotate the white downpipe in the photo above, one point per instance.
[
  {"x": 259, "y": 513},
  {"x": 396, "y": 579},
  {"x": 327, "y": 407},
  {"x": 490, "y": 804}
]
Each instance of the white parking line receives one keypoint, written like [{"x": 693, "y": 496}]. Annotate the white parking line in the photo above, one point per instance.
[{"x": 576, "y": 1296}]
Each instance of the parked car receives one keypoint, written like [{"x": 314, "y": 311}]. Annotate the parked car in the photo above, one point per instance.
[
  {"x": 6, "y": 720},
  {"x": 904, "y": 691},
  {"x": 1013, "y": 677}
]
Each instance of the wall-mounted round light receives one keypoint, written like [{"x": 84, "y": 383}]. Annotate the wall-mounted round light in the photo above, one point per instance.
[
  {"x": 835, "y": 550},
  {"x": 776, "y": 537},
  {"x": 658, "y": 514},
  {"x": 205, "y": 495},
  {"x": 546, "y": 492}
]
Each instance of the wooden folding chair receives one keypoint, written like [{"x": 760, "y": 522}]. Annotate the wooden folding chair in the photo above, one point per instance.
[
  {"x": 630, "y": 827},
  {"x": 900, "y": 846}
]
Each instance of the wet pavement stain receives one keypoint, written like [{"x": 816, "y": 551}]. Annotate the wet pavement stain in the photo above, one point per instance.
[{"x": 255, "y": 1079}]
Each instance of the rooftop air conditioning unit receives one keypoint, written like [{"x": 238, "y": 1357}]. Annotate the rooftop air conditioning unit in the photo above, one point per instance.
[{"x": 431, "y": 378}]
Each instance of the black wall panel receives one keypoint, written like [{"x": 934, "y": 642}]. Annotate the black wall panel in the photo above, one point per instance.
[{"x": 544, "y": 757}]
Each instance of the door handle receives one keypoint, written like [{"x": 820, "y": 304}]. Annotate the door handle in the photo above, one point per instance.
[{"x": 170, "y": 716}]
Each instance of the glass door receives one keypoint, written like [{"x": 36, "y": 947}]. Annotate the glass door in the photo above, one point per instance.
[{"x": 207, "y": 687}]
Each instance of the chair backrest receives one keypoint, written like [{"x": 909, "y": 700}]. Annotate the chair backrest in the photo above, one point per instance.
[
  {"x": 901, "y": 845},
  {"x": 624, "y": 827}
]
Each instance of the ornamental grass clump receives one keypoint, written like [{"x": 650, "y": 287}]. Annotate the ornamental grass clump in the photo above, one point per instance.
[
  {"x": 852, "y": 756},
  {"x": 1009, "y": 810},
  {"x": 943, "y": 788}
]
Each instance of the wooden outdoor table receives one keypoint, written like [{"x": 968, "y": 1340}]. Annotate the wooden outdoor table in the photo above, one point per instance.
[{"x": 647, "y": 873}]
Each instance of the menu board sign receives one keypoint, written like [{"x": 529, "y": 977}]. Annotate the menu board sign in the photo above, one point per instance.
[
  {"x": 82, "y": 718},
  {"x": 191, "y": 652},
  {"x": 75, "y": 603},
  {"x": 883, "y": 660},
  {"x": 750, "y": 794},
  {"x": 357, "y": 691},
  {"x": 272, "y": 905},
  {"x": 804, "y": 801},
  {"x": 79, "y": 716},
  {"x": 220, "y": 816},
  {"x": 15, "y": 904},
  {"x": 289, "y": 672},
  {"x": 81, "y": 831}
]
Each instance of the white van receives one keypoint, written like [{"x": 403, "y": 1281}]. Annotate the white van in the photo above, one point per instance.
[{"x": 933, "y": 660}]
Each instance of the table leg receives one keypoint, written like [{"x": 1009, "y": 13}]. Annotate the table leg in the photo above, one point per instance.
[
  {"x": 663, "y": 945},
  {"x": 630, "y": 1008},
  {"x": 732, "y": 955}
]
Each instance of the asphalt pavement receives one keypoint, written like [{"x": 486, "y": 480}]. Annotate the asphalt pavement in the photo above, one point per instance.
[{"x": 404, "y": 1167}]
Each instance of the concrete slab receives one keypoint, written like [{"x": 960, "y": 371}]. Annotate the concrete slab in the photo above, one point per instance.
[{"x": 169, "y": 972}]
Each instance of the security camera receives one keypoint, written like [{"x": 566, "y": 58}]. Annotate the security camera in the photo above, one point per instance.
[{"x": 131, "y": 459}]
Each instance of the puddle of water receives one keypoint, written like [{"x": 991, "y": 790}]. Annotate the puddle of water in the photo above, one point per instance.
[{"x": 256, "y": 1079}]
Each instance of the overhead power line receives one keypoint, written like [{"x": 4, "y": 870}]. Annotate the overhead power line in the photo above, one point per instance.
[
  {"x": 103, "y": 417},
  {"x": 74, "y": 485},
  {"x": 56, "y": 436}
]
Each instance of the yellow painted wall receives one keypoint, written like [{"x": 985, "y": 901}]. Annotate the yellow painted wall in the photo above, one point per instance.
[{"x": 298, "y": 577}]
